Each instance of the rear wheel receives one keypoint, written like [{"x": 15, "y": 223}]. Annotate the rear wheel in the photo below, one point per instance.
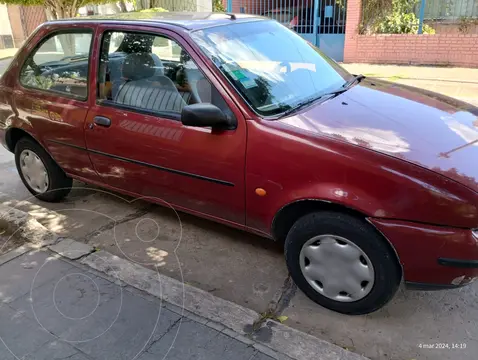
[
  {"x": 39, "y": 173},
  {"x": 341, "y": 263}
]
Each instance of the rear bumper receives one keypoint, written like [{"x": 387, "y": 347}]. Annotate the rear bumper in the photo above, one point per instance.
[{"x": 432, "y": 257}]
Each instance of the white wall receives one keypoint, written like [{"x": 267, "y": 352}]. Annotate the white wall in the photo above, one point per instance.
[
  {"x": 204, "y": 5},
  {"x": 5, "y": 28}
]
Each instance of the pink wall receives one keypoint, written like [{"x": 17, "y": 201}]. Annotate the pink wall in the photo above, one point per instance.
[{"x": 438, "y": 49}]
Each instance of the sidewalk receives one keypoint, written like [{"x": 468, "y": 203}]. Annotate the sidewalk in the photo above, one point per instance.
[
  {"x": 7, "y": 53},
  {"x": 62, "y": 299},
  {"x": 53, "y": 309},
  {"x": 461, "y": 83}
]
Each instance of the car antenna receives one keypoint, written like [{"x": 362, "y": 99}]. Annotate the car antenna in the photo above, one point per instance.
[{"x": 233, "y": 17}]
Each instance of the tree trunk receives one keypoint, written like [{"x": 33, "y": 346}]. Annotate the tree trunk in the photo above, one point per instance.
[
  {"x": 67, "y": 42},
  {"x": 122, "y": 6},
  {"x": 50, "y": 14}
]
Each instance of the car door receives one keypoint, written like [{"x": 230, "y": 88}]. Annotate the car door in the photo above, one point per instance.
[
  {"x": 51, "y": 93},
  {"x": 134, "y": 135}
]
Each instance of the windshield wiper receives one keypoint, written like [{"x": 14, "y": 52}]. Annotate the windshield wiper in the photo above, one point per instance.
[
  {"x": 300, "y": 105},
  {"x": 353, "y": 80},
  {"x": 347, "y": 85},
  {"x": 342, "y": 89}
]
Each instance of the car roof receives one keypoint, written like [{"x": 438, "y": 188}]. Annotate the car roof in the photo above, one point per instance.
[{"x": 186, "y": 20}]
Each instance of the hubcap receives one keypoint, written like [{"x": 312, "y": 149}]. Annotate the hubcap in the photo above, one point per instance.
[
  {"x": 337, "y": 268},
  {"x": 34, "y": 171}
]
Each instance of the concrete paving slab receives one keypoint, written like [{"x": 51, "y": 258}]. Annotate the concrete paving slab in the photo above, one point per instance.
[
  {"x": 229, "y": 318},
  {"x": 20, "y": 335},
  {"x": 93, "y": 315},
  {"x": 12, "y": 254},
  {"x": 297, "y": 345},
  {"x": 5, "y": 354},
  {"x": 138, "y": 324},
  {"x": 71, "y": 249},
  {"x": 175, "y": 292},
  {"x": 70, "y": 302},
  {"x": 193, "y": 340},
  {"x": 29, "y": 271},
  {"x": 56, "y": 350},
  {"x": 396, "y": 331},
  {"x": 261, "y": 356},
  {"x": 228, "y": 263}
]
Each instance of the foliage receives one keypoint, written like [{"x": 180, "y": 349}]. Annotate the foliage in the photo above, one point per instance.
[
  {"x": 37, "y": 81},
  {"x": 391, "y": 17},
  {"x": 373, "y": 11},
  {"x": 401, "y": 23},
  {"x": 153, "y": 10},
  {"x": 59, "y": 9},
  {"x": 466, "y": 23},
  {"x": 217, "y": 6}
]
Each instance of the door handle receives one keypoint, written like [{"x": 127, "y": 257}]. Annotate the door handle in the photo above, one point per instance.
[{"x": 102, "y": 121}]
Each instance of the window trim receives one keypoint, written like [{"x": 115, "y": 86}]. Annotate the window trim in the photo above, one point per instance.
[
  {"x": 161, "y": 114},
  {"x": 45, "y": 39}
]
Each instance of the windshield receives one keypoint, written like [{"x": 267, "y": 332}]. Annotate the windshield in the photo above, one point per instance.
[{"x": 272, "y": 67}]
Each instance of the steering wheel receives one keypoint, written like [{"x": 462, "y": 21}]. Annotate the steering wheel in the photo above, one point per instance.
[{"x": 36, "y": 69}]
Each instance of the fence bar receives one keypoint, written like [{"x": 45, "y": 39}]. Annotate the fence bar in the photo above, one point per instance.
[
  {"x": 422, "y": 16},
  {"x": 314, "y": 21}
]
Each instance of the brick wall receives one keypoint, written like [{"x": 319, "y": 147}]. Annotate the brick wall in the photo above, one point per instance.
[
  {"x": 33, "y": 17},
  {"x": 14, "y": 14},
  {"x": 438, "y": 49},
  {"x": 24, "y": 20},
  {"x": 236, "y": 6}
]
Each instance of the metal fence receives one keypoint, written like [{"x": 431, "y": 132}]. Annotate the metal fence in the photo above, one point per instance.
[
  {"x": 301, "y": 15},
  {"x": 451, "y": 16},
  {"x": 419, "y": 16},
  {"x": 321, "y": 22}
]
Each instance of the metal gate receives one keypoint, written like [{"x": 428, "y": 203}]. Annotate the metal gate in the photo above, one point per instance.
[{"x": 321, "y": 22}]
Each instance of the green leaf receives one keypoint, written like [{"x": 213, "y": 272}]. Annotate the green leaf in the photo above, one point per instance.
[{"x": 282, "y": 318}]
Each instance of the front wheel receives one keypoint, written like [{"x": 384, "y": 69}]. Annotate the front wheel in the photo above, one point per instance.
[
  {"x": 341, "y": 263},
  {"x": 39, "y": 173}
]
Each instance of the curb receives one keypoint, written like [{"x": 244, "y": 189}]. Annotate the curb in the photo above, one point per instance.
[{"x": 274, "y": 339}]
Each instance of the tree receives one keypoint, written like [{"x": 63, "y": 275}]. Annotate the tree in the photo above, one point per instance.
[
  {"x": 58, "y": 9},
  {"x": 217, "y": 6}
]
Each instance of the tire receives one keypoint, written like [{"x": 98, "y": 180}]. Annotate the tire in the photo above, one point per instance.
[
  {"x": 59, "y": 185},
  {"x": 380, "y": 263}
]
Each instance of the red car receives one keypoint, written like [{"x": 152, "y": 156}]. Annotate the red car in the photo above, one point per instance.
[{"x": 239, "y": 120}]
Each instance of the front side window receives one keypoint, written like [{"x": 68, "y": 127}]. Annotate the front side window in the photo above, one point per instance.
[
  {"x": 272, "y": 67},
  {"x": 152, "y": 73},
  {"x": 60, "y": 64}
]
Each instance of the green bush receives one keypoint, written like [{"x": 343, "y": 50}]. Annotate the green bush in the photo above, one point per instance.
[
  {"x": 153, "y": 10},
  {"x": 391, "y": 17},
  {"x": 217, "y": 6},
  {"x": 400, "y": 23}
]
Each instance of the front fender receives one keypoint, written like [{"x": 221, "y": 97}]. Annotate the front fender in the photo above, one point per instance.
[{"x": 291, "y": 167}]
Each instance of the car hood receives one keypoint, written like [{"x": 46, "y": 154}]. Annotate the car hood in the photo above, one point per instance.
[{"x": 431, "y": 130}]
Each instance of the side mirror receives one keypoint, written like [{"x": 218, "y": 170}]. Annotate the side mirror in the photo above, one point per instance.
[{"x": 204, "y": 115}]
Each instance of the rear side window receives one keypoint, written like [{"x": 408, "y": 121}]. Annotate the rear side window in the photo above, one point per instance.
[{"x": 60, "y": 64}]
